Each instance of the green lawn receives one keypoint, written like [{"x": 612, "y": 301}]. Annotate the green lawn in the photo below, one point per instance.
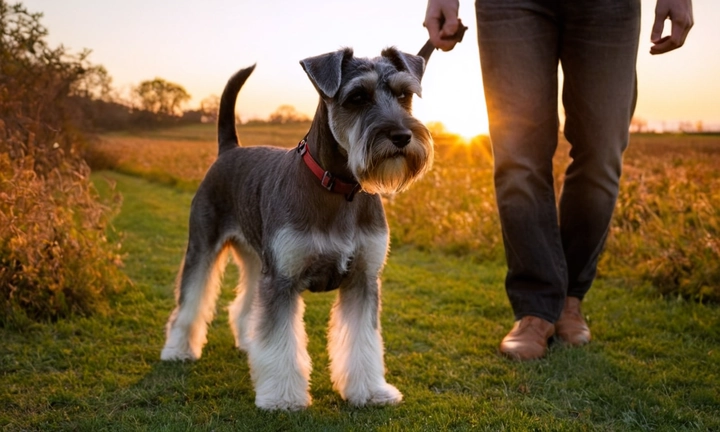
[{"x": 654, "y": 363}]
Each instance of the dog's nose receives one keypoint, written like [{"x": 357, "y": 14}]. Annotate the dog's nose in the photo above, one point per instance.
[{"x": 400, "y": 137}]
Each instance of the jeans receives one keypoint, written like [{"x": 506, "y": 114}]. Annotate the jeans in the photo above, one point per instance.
[{"x": 551, "y": 248}]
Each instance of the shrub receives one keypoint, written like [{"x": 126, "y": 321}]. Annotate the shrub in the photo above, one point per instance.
[{"x": 54, "y": 257}]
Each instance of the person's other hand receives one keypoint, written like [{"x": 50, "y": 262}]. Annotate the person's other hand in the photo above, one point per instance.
[
  {"x": 441, "y": 20},
  {"x": 681, "y": 19}
]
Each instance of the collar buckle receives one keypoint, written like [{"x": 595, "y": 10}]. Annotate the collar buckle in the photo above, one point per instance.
[
  {"x": 327, "y": 181},
  {"x": 302, "y": 147}
]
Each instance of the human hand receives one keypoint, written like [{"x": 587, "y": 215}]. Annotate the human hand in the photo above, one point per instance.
[
  {"x": 681, "y": 18},
  {"x": 441, "y": 20}
]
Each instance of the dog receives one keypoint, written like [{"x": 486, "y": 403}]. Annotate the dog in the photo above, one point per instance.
[{"x": 306, "y": 219}]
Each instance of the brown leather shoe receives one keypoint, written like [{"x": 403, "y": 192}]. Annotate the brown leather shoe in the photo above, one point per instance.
[
  {"x": 528, "y": 339},
  {"x": 571, "y": 326}
]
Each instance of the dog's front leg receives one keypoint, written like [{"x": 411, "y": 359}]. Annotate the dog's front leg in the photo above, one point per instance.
[
  {"x": 277, "y": 347},
  {"x": 356, "y": 347}
]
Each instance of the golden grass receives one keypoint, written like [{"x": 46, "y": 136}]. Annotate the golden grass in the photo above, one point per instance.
[
  {"x": 666, "y": 227},
  {"x": 181, "y": 156},
  {"x": 665, "y": 230}
]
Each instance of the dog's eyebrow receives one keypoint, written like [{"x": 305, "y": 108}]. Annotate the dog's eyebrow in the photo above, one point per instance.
[
  {"x": 367, "y": 80},
  {"x": 403, "y": 81}
]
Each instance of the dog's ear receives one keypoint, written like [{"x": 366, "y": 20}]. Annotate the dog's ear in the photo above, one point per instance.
[
  {"x": 414, "y": 65},
  {"x": 325, "y": 71}
]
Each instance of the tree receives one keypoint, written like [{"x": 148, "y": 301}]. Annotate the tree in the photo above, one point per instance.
[
  {"x": 41, "y": 89},
  {"x": 638, "y": 125},
  {"x": 209, "y": 108},
  {"x": 287, "y": 114},
  {"x": 161, "y": 97}
]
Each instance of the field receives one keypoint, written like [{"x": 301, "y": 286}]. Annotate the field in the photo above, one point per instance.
[
  {"x": 653, "y": 364},
  {"x": 666, "y": 230}
]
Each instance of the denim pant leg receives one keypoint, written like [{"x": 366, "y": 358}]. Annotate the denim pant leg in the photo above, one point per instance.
[
  {"x": 521, "y": 42},
  {"x": 519, "y": 52},
  {"x": 598, "y": 56}
]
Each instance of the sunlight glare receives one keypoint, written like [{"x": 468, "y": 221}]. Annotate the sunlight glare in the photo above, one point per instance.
[
  {"x": 468, "y": 127},
  {"x": 453, "y": 94},
  {"x": 466, "y": 121}
]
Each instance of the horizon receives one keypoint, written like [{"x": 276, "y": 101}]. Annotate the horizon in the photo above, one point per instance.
[{"x": 194, "y": 46}]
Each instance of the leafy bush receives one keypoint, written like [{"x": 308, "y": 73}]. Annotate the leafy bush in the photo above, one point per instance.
[{"x": 54, "y": 257}]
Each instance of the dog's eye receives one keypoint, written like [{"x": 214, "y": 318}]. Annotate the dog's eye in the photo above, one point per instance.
[
  {"x": 358, "y": 98},
  {"x": 405, "y": 99}
]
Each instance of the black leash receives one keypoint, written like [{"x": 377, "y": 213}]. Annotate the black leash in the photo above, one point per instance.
[{"x": 428, "y": 48}]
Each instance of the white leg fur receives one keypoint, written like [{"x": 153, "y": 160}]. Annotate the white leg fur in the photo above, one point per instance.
[
  {"x": 279, "y": 362},
  {"x": 187, "y": 326},
  {"x": 239, "y": 311},
  {"x": 357, "y": 368}
]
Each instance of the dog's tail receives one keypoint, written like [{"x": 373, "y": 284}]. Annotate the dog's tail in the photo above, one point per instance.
[{"x": 227, "y": 135}]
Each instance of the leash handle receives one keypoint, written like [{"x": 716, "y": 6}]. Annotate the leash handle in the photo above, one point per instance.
[{"x": 428, "y": 48}]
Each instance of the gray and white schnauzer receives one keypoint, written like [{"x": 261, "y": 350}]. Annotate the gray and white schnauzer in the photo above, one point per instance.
[{"x": 306, "y": 219}]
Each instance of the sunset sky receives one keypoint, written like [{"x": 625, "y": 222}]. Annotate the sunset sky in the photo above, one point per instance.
[{"x": 199, "y": 44}]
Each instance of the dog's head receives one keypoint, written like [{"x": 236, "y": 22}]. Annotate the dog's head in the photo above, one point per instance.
[{"x": 369, "y": 104}]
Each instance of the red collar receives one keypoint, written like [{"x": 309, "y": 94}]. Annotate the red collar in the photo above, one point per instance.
[{"x": 327, "y": 179}]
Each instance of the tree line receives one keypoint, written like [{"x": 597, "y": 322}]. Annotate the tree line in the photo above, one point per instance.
[
  {"x": 86, "y": 89},
  {"x": 159, "y": 102}
]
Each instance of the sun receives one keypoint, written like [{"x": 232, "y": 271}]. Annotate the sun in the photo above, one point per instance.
[
  {"x": 461, "y": 113},
  {"x": 467, "y": 124}
]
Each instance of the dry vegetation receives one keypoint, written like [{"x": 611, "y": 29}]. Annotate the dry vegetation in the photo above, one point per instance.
[
  {"x": 54, "y": 257},
  {"x": 665, "y": 229},
  {"x": 181, "y": 156},
  {"x": 667, "y": 224}
]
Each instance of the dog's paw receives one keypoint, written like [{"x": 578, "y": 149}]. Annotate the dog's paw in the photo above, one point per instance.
[
  {"x": 176, "y": 354},
  {"x": 297, "y": 403},
  {"x": 386, "y": 394}
]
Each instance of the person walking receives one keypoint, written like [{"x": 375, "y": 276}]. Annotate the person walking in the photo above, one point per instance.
[{"x": 551, "y": 248}]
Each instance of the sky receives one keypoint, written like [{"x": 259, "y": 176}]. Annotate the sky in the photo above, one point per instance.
[{"x": 200, "y": 44}]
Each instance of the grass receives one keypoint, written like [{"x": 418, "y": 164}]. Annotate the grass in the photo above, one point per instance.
[
  {"x": 666, "y": 229},
  {"x": 250, "y": 134},
  {"x": 654, "y": 363}
]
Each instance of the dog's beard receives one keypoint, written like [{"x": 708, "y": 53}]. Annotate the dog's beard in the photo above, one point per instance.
[
  {"x": 376, "y": 163},
  {"x": 391, "y": 170},
  {"x": 389, "y": 176}
]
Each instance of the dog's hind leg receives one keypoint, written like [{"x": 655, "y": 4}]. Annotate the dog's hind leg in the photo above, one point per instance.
[
  {"x": 277, "y": 346},
  {"x": 197, "y": 289},
  {"x": 239, "y": 311},
  {"x": 355, "y": 345}
]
